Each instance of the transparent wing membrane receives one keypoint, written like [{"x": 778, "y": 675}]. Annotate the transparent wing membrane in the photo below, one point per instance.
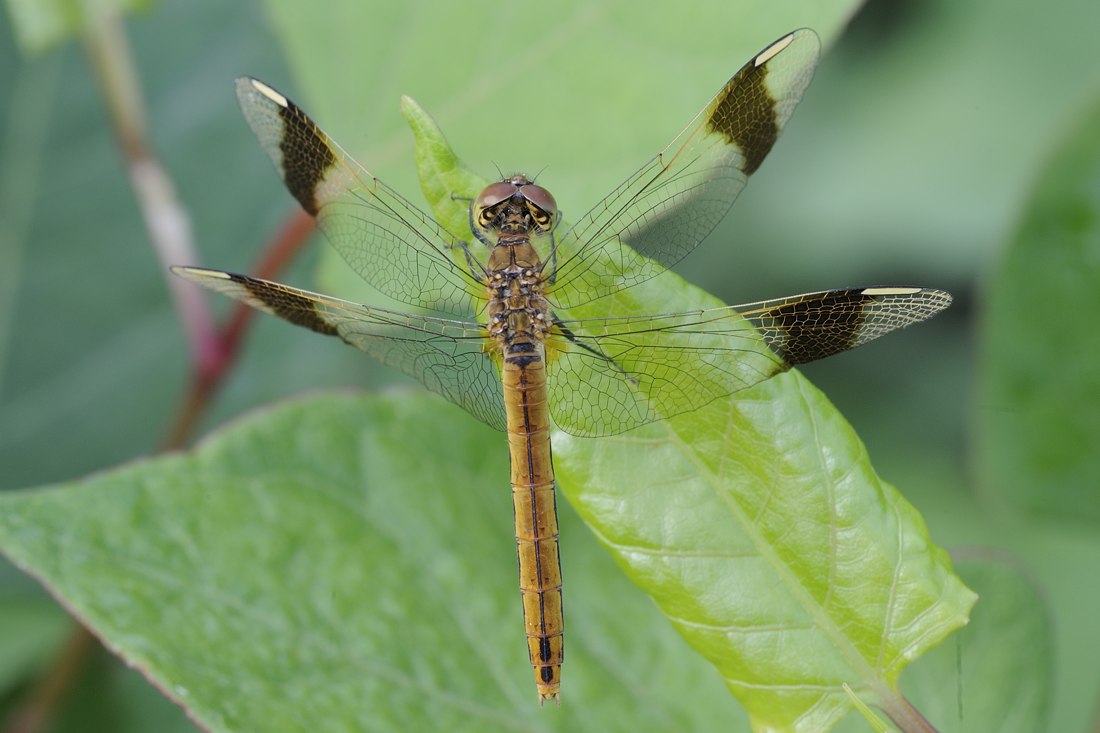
[
  {"x": 662, "y": 212},
  {"x": 446, "y": 356},
  {"x": 610, "y": 375},
  {"x": 393, "y": 245},
  {"x": 606, "y": 375}
]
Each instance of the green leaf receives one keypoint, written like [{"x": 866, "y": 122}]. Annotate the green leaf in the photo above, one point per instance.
[
  {"x": 440, "y": 171},
  {"x": 1039, "y": 410},
  {"x": 347, "y": 563},
  {"x": 760, "y": 529}
]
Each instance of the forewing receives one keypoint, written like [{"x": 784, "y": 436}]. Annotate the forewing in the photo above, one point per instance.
[
  {"x": 446, "y": 356},
  {"x": 659, "y": 214},
  {"x": 608, "y": 375},
  {"x": 392, "y": 244}
]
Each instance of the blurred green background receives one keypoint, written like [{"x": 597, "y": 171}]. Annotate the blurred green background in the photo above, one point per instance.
[{"x": 910, "y": 161}]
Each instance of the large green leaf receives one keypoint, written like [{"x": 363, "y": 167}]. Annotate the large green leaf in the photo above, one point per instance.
[
  {"x": 312, "y": 565},
  {"x": 347, "y": 563},
  {"x": 1039, "y": 412},
  {"x": 762, "y": 531},
  {"x": 757, "y": 524}
]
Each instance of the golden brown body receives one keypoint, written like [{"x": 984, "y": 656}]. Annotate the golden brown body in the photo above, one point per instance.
[
  {"x": 519, "y": 320},
  {"x": 536, "y": 520}
]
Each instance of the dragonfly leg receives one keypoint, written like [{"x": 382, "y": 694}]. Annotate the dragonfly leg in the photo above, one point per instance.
[
  {"x": 553, "y": 256},
  {"x": 476, "y": 269},
  {"x": 482, "y": 237}
]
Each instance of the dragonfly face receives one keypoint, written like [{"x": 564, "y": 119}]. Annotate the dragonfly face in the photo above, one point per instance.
[
  {"x": 515, "y": 202},
  {"x": 503, "y": 344}
]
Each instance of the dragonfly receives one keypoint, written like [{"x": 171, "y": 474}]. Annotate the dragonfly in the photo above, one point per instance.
[{"x": 492, "y": 326}]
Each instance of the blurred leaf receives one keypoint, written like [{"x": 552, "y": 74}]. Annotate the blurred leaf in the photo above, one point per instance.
[
  {"x": 997, "y": 673},
  {"x": 758, "y": 526},
  {"x": 312, "y": 569},
  {"x": 40, "y": 24},
  {"x": 1039, "y": 410},
  {"x": 912, "y": 150},
  {"x": 1056, "y": 556},
  {"x": 1048, "y": 555}
]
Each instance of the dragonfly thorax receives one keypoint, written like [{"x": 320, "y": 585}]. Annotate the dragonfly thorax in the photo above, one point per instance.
[
  {"x": 517, "y": 308},
  {"x": 515, "y": 206}
]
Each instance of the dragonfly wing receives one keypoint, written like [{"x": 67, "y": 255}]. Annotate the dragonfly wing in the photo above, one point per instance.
[
  {"x": 609, "y": 375},
  {"x": 447, "y": 356},
  {"x": 392, "y": 244},
  {"x": 659, "y": 214}
]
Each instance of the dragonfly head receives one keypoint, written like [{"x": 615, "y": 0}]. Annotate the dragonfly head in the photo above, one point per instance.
[{"x": 514, "y": 205}]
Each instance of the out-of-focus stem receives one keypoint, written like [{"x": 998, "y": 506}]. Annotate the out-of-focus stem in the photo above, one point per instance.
[
  {"x": 213, "y": 350},
  {"x": 37, "y": 710},
  {"x": 228, "y": 339},
  {"x": 166, "y": 220}
]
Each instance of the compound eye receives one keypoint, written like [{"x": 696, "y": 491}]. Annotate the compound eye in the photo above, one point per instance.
[
  {"x": 493, "y": 194},
  {"x": 542, "y": 200}
]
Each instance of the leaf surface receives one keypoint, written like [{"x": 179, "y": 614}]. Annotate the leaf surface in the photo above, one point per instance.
[
  {"x": 346, "y": 563},
  {"x": 1039, "y": 411}
]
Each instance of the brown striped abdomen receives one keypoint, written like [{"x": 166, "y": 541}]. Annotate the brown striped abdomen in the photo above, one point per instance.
[{"x": 524, "y": 378}]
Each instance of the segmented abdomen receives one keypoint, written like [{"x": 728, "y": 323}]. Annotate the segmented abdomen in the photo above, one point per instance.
[{"x": 524, "y": 378}]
